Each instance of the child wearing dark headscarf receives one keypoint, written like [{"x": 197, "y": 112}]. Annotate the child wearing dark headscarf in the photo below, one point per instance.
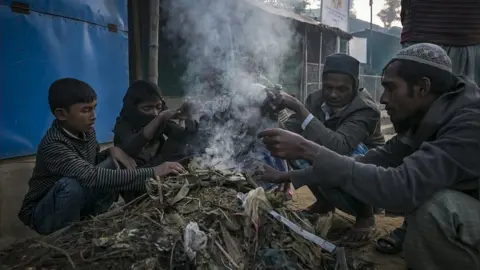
[{"x": 145, "y": 130}]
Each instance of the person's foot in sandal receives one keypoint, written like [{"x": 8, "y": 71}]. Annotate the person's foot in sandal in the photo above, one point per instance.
[
  {"x": 362, "y": 232},
  {"x": 392, "y": 243}
]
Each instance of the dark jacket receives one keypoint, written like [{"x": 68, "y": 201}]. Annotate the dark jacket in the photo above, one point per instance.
[
  {"x": 358, "y": 123},
  {"x": 128, "y": 129},
  {"x": 152, "y": 152},
  {"x": 443, "y": 153}
]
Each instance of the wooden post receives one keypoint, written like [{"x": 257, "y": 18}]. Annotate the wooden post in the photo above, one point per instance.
[
  {"x": 320, "y": 69},
  {"x": 338, "y": 41},
  {"x": 304, "y": 93},
  {"x": 153, "y": 43},
  {"x": 137, "y": 40}
]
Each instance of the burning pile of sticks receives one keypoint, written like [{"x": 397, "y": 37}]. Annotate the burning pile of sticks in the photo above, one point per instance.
[{"x": 205, "y": 219}]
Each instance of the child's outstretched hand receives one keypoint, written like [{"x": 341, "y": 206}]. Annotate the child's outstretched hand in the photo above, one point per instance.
[
  {"x": 182, "y": 113},
  {"x": 185, "y": 110},
  {"x": 168, "y": 114},
  {"x": 167, "y": 168}
]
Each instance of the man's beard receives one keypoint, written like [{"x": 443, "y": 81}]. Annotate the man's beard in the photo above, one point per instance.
[
  {"x": 410, "y": 123},
  {"x": 401, "y": 127}
]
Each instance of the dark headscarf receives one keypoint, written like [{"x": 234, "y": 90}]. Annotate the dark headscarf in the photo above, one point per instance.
[{"x": 138, "y": 92}]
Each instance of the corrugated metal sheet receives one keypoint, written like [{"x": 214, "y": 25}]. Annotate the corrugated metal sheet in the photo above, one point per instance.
[
  {"x": 38, "y": 48},
  {"x": 101, "y": 12},
  {"x": 284, "y": 13},
  {"x": 297, "y": 17}
]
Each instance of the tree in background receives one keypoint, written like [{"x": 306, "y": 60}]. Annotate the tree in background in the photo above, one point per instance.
[
  {"x": 390, "y": 13},
  {"x": 298, "y": 6},
  {"x": 352, "y": 12}
]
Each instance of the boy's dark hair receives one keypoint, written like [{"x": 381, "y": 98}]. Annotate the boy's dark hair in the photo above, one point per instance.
[
  {"x": 64, "y": 93},
  {"x": 441, "y": 81}
]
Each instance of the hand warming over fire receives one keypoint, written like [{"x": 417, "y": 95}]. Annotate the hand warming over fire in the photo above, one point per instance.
[
  {"x": 270, "y": 175},
  {"x": 280, "y": 100},
  {"x": 182, "y": 113},
  {"x": 288, "y": 145},
  {"x": 286, "y": 101}
]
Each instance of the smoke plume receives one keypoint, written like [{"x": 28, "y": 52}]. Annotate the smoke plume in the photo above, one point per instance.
[{"x": 228, "y": 45}]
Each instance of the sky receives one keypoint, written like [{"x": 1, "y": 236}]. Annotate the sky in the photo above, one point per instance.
[{"x": 362, "y": 9}]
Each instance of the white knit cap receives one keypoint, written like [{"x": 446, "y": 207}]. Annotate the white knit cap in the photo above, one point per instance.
[{"x": 428, "y": 54}]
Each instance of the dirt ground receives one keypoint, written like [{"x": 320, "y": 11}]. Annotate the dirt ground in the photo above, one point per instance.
[{"x": 304, "y": 198}]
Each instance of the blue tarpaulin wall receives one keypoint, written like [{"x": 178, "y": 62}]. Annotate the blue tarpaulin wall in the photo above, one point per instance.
[{"x": 58, "y": 38}]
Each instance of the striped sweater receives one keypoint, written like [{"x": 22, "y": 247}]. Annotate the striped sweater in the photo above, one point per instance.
[
  {"x": 62, "y": 155},
  {"x": 443, "y": 22}
]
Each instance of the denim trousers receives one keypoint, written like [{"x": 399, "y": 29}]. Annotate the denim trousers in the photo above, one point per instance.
[
  {"x": 276, "y": 163},
  {"x": 67, "y": 201}
]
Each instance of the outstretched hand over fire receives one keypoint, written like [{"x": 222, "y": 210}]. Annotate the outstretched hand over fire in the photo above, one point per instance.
[
  {"x": 288, "y": 145},
  {"x": 283, "y": 144},
  {"x": 279, "y": 100},
  {"x": 270, "y": 175},
  {"x": 185, "y": 110}
]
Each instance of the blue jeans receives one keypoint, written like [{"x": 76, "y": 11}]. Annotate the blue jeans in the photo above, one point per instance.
[
  {"x": 267, "y": 158},
  {"x": 67, "y": 202},
  {"x": 276, "y": 163}
]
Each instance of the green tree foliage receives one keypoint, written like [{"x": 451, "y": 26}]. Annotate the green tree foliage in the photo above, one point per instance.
[
  {"x": 298, "y": 6},
  {"x": 390, "y": 13},
  {"x": 352, "y": 12}
]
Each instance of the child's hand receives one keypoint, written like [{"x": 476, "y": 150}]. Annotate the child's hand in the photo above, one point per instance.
[
  {"x": 181, "y": 113},
  {"x": 185, "y": 111},
  {"x": 120, "y": 157},
  {"x": 169, "y": 168},
  {"x": 167, "y": 114}
]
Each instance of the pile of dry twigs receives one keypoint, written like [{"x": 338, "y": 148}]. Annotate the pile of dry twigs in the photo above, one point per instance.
[{"x": 192, "y": 221}]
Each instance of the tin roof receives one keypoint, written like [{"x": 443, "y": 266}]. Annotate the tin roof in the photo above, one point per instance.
[{"x": 297, "y": 17}]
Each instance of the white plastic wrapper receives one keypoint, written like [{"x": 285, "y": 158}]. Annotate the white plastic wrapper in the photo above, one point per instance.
[
  {"x": 256, "y": 198},
  {"x": 194, "y": 240}
]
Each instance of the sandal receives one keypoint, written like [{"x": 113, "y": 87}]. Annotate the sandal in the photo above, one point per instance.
[{"x": 391, "y": 243}]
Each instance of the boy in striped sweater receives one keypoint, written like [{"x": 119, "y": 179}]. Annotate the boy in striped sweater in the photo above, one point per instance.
[{"x": 72, "y": 179}]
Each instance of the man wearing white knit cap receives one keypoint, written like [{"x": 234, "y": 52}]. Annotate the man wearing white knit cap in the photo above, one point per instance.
[
  {"x": 392, "y": 243},
  {"x": 430, "y": 170}
]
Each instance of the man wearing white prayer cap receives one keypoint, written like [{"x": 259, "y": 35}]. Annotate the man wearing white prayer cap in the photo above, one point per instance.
[{"x": 429, "y": 170}]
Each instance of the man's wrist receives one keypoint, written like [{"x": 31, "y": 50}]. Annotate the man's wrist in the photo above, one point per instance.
[
  {"x": 309, "y": 150},
  {"x": 301, "y": 112},
  {"x": 286, "y": 177},
  {"x": 297, "y": 106}
]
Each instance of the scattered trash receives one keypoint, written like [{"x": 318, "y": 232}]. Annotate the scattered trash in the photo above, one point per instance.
[
  {"x": 194, "y": 240},
  {"x": 191, "y": 221}
]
